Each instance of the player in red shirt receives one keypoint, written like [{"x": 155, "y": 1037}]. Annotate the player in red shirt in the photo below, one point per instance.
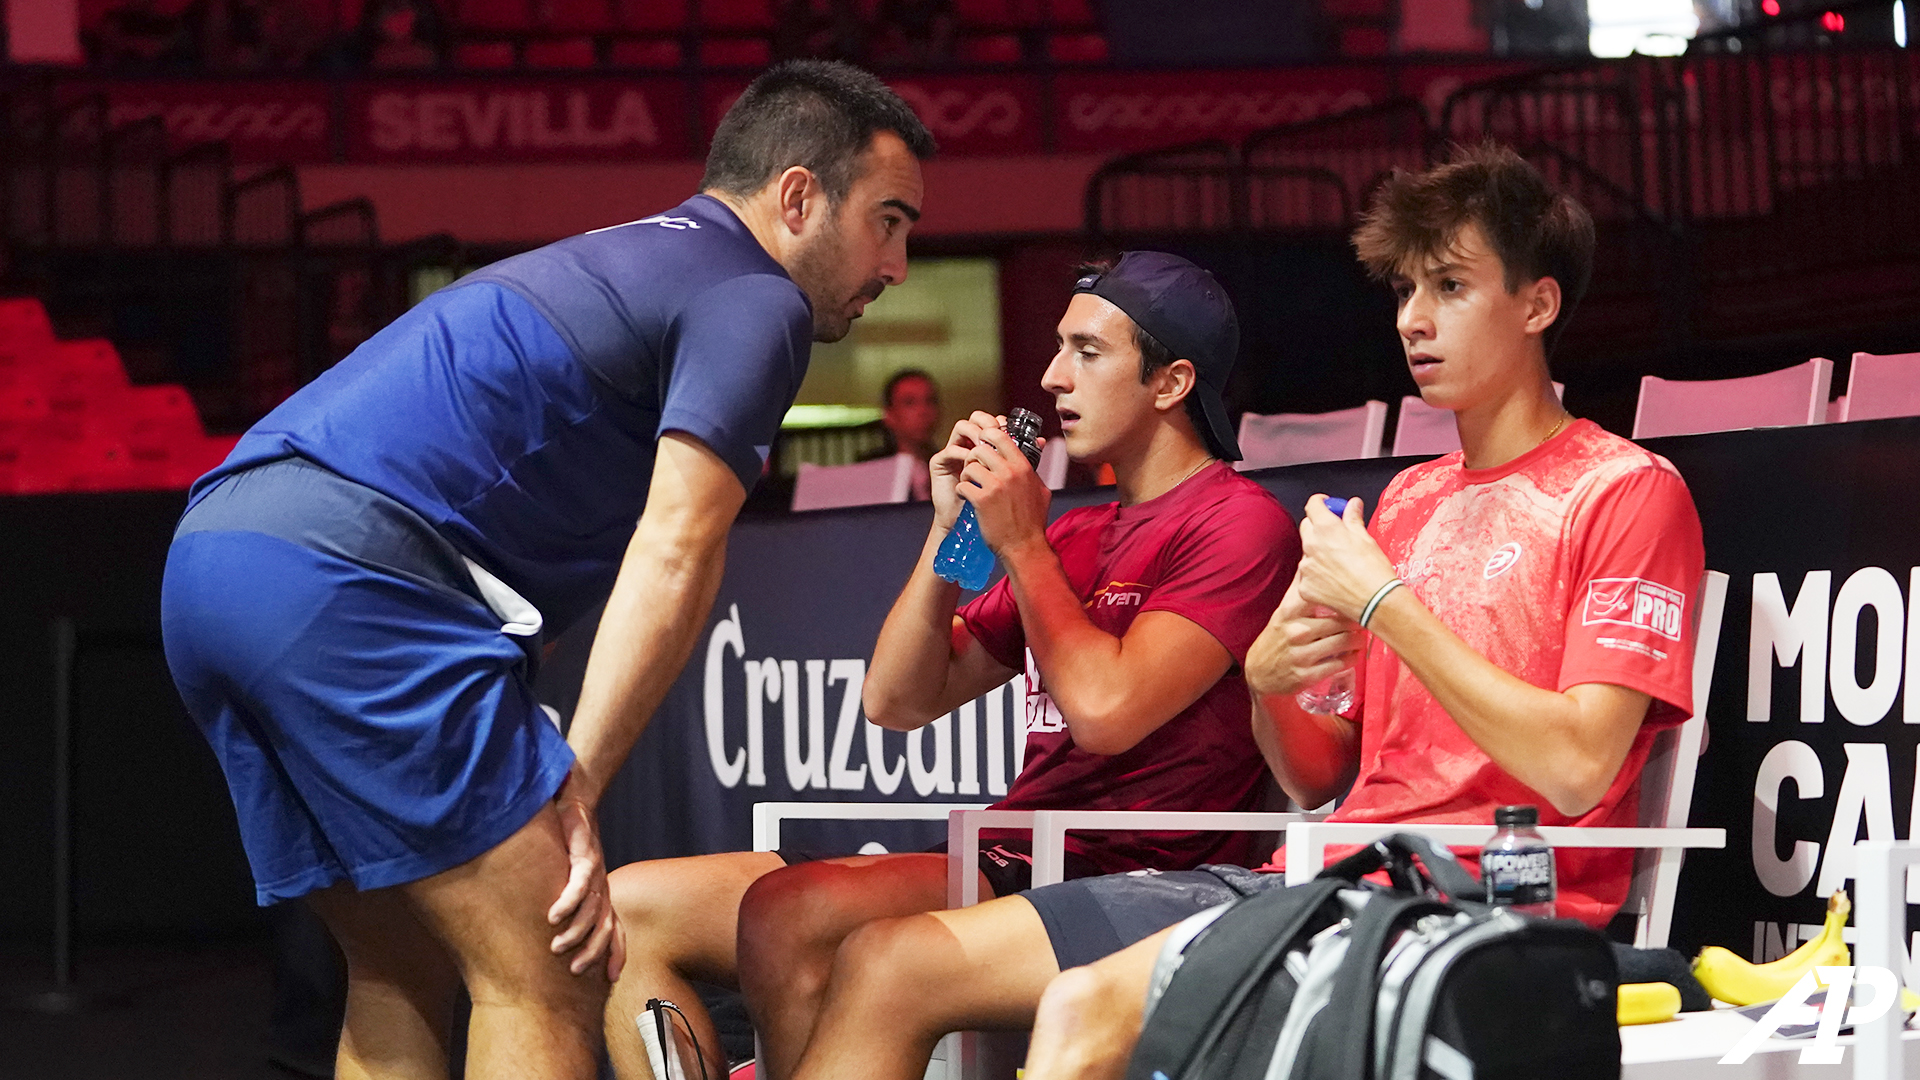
[
  {"x": 1526, "y": 606},
  {"x": 1131, "y": 620}
]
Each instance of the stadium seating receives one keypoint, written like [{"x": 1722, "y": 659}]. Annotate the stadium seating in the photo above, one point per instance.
[{"x": 71, "y": 421}]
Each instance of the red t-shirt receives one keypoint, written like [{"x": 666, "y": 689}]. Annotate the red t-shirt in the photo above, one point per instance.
[
  {"x": 1217, "y": 550},
  {"x": 1577, "y": 562}
]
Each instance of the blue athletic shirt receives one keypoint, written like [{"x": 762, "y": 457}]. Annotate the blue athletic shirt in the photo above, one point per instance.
[{"x": 517, "y": 409}]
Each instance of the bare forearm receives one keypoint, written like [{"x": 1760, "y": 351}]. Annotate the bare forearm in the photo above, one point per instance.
[
  {"x": 1314, "y": 757},
  {"x": 1542, "y": 738},
  {"x": 907, "y": 680},
  {"x": 1099, "y": 693},
  {"x": 653, "y": 617}
]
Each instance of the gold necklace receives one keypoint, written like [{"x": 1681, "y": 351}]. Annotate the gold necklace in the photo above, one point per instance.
[{"x": 1564, "y": 417}]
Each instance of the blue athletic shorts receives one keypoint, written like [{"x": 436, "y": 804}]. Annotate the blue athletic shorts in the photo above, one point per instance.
[
  {"x": 1095, "y": 917},
  {"x": 374, "y": 722}
]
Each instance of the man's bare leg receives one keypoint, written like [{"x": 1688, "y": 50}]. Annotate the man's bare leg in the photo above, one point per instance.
[
  {"x": 898, "y": 985},
  {"x": 1089, "y": 1018},
  {"x": 531, "y": 1016},
  {"x": 401, "y": 987},
  {"x": 792, "y": 923},
  {"x": 679, "y": 916}
]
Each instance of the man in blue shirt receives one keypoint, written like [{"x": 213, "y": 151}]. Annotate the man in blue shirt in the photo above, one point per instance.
[{"x": 355, "y": 599}]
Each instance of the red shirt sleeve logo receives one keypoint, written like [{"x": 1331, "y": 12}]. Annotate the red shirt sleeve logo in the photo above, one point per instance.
[{"x": 1636, "y": 602}]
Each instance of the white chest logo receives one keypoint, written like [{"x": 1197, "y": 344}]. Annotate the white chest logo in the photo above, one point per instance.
[
  {"x": 665, "y": 221},
  {"x": 1502, "y": 560}
]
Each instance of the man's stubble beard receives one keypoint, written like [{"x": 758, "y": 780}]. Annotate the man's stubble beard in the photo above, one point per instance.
[{"x": 814, "y": 271}]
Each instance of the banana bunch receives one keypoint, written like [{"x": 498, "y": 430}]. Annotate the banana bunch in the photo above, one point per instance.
[
  {"x": 1647, "y": 1003},
  {"x": 1730, "y": 978}
]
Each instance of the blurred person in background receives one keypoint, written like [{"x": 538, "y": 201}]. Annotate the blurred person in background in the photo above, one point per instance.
[
  {"x": 911, "y": 402},
  {"x": 913, "y": 32},
  {"x": 821, "y": 29},
  {"x": 255, "y": 35},
  {"x": 139, "y": 37},
  {"x": 401, "y": 35}
]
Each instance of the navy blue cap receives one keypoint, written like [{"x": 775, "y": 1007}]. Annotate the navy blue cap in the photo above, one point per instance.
[{"x": 1186, "y": 310}]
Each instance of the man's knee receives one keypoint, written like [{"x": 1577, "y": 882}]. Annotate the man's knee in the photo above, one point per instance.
[
  {"x": 648, "y": 896},
  {"x": 1077, "y": 995},
  {"x": 885, "y": 959},
  {"x": 794, "y": 910}
]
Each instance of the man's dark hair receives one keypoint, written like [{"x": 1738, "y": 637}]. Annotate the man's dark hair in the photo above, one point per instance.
[
  {"x": 1536, "y": 231},
  {"x": 819, "y": 114},
  {"x": 898, "y": 377},
  {"x": 1153, "y": 354}
]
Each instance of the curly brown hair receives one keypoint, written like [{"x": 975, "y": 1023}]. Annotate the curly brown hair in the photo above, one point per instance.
[{"x": 1536, "y": 231}]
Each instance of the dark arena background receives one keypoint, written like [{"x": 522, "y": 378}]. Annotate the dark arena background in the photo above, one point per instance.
[{"x": 205, "y": 205}]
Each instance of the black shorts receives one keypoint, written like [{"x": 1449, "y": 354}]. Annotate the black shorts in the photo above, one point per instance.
[
  {"x": 1096, "y": 917},
  {"x": 1007, "y": 864}
]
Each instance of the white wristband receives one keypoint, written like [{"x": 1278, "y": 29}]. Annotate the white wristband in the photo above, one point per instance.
[{"x": 1366, "y": 614}]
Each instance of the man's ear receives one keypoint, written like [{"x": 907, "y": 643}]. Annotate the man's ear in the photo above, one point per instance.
[
  {"x": 797, "y": 194},
  {"x": 1172, "y": 384},
  {"x": 1543, "y": 304}
]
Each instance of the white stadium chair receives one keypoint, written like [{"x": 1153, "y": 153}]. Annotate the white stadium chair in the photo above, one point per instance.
[
  {"x": 1424, "y": 430},
  {"x": 1297, "y": 438},
  {"x": 1053, "y": 463},
  {"x": 1881, "y": 387},
  {"x": 1789, "y": 397},
  {"x": 824, "y": 487}
]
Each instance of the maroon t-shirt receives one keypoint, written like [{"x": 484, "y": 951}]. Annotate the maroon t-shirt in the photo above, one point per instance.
[{"x": 1216, "y": 550}]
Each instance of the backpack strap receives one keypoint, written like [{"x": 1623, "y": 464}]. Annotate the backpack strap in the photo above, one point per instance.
[
  {"x": 1219, "y": 973},
  {"x": 1339, "y": 1046},
  {"x": 1395, "y": 853}
]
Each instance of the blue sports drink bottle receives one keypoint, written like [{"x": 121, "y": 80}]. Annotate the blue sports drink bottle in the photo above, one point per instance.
[{"x": 964, "y": 557}]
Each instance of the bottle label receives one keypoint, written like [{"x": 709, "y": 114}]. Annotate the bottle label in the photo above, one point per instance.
[{"x": 1518, "y": 877}]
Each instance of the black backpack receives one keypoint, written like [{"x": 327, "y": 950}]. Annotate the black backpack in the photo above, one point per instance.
[{"x": 1341, "y": 979}]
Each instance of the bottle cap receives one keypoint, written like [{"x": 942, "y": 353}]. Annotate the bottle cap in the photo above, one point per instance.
[
  {"x": 1507, "y": 816},
  {"x": 1024, "y": 426}
]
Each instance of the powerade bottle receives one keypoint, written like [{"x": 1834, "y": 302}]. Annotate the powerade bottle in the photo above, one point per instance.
[
  {"x": 1517, "y": 864},
  {"x": 964, "y": 557}
]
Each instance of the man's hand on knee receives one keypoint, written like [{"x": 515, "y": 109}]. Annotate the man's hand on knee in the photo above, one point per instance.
[{"x": 592, "y": 929}]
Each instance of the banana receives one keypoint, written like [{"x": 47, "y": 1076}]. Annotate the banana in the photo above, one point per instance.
[
  {"x": 1648, "y": 1003},
  {"x": 1733, "y": 979}
]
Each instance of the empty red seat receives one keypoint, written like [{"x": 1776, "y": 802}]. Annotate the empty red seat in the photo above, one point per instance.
[
  {"x": 652, "y": 16},
  {"x": 990, "y": 49},
  {"x": 736, "y": 15},
  {"x": 22, "y": 403},
  {"x": 23, "y": 322},
  {"x": 998, "y": 14},
  {"x": 1077, "y": 48},
  {"x": 483, "y": 55},
  {"x": 645, "y": 52},
  {"x": 1071, "y": 15},
  {"x": 165, "y": 411},
  {"x": 565, "y": 53},
  {"x": 84, "y": 376},
  {"x": 574, "y": 16},
  {"x": 735, "y": 52},
  {"x": 503, "y": 15}
]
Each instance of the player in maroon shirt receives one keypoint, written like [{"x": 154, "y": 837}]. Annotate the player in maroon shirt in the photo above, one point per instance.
[{"x": 1131, "y": 620}]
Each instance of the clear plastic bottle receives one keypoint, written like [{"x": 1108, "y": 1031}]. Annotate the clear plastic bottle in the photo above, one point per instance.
[
  {"x": 1335, "y": 693},
  {"x": 964, "y": 557},
  {"x": 1331, "y": 695},
  {"x": 1517, "y": 863}
]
